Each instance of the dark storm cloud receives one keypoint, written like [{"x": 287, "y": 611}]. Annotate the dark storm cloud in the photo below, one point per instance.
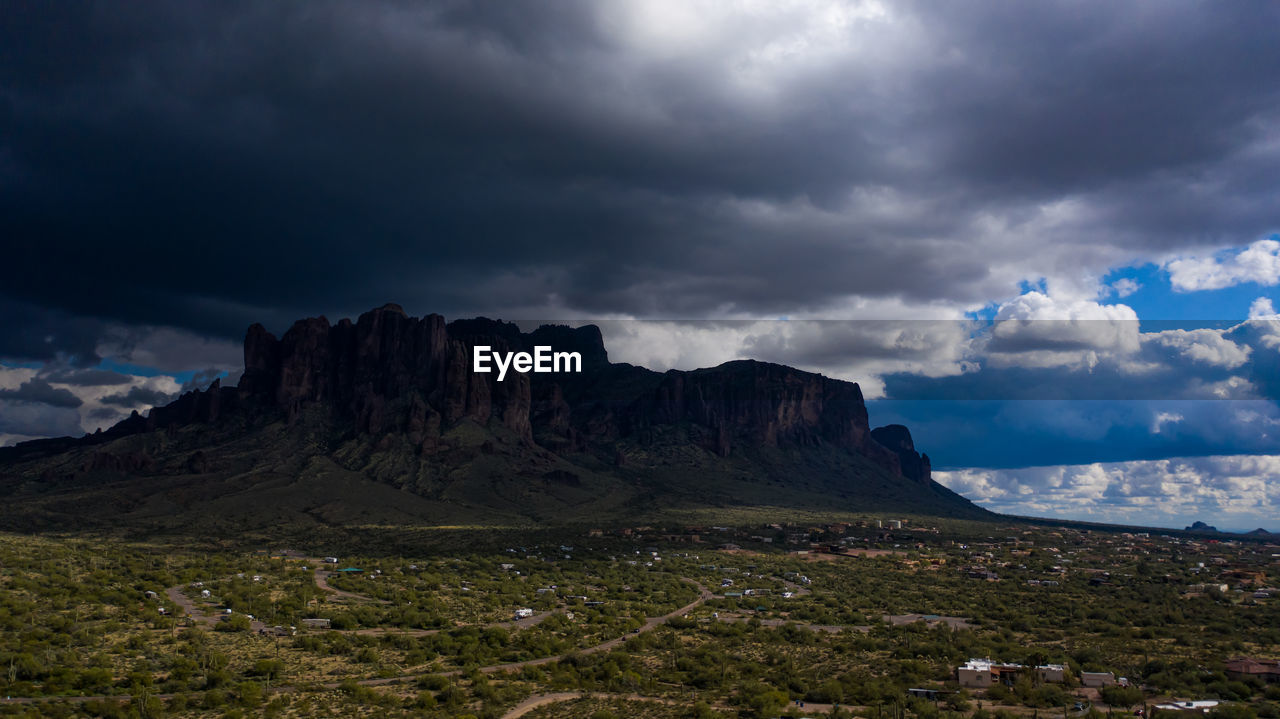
[
  {"x": 208, "y": 165},
  {"x": 29, "y": 332},
  {"x": 38, "y": 391},
  {"x": 1035, "y": 433},
  {"x": 28, "y": 419}
]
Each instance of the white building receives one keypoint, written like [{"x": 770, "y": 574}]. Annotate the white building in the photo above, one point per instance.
[
  {"x": 1200, "y": 706},
  {"x": 982, "y": 673},
  {"x": 1097, "y": 679}
]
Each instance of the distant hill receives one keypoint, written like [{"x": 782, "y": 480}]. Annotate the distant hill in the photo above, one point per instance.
[
  {"x": 382, "y": 421},
  {"x": 1199, "y": 526}
]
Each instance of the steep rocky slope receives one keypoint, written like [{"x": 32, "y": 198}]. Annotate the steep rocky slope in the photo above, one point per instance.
[{"x": 383, "y": 419}]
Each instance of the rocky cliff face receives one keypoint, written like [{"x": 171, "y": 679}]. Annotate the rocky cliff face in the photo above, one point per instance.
[
  {"x": 764, "y": 404},
  {"x": 897, "y": 439},
  {"x": 388, "y": 373}
]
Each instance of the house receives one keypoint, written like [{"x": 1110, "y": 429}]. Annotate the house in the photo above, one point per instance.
[
  {"x": 316, "y": 623},
  {"x": 150, "y": 594},
  {"x": 982, "y": 673},
  {"x": 1200, "y": 706},
  {"x": 1202, "y": 588},
  {"x": 1244, "y": 667},
  {"x": 927, "y": 694},
  {"x": 1051, "y": 673},
  {"x": 1097, "y": 679}
]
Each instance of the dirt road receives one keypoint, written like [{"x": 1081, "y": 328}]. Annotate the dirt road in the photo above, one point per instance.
[
  {"x": 198, "y": 615},
  {"x": 322, "y": 576},
  {"x": 541, "y": 700}
]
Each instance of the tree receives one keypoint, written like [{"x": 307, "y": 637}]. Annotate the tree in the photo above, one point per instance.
[{"x": 1118, "y": 696}]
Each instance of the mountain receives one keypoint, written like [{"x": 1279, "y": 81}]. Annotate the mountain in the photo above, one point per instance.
[
  {"x": 384, "y": 421},
  {"x": 1198, "y": 526}
]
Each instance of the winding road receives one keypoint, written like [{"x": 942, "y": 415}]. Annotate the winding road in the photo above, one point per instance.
[
  {"x": 197, "y": 615},
  {"x": 649, "y": 625},
  {"x": 322, "y": 581},
  {"x": 541, "y": 700}
]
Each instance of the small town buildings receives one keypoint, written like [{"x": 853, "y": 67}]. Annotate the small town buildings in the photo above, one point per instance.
[
  {"x": 1097, "y": 679},
  {"x": 1193, "y": 706},
  {"x": 1202, "y": 588},
  {"x": 982, "y": 673},
  {"x": 1245, "y": 668},
  {"x": 1051, "y": 673}
]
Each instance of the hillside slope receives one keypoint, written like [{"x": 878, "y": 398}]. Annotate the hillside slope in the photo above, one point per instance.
[{"x": 382, "y": 421}]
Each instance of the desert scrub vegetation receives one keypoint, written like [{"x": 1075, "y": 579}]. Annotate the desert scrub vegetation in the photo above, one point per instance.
[{"x": 93, "y": 627}]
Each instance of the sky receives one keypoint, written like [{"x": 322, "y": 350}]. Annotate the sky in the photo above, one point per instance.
[{"x": 1043, "y": 235}]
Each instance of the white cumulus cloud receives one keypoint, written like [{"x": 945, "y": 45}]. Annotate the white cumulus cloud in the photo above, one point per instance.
[
  {"x": 1259, "y": 262},
  {"x": 1231, "y": 492}
]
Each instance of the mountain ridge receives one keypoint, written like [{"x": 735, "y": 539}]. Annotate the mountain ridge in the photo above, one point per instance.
[{"x": 391, "y": 398}]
